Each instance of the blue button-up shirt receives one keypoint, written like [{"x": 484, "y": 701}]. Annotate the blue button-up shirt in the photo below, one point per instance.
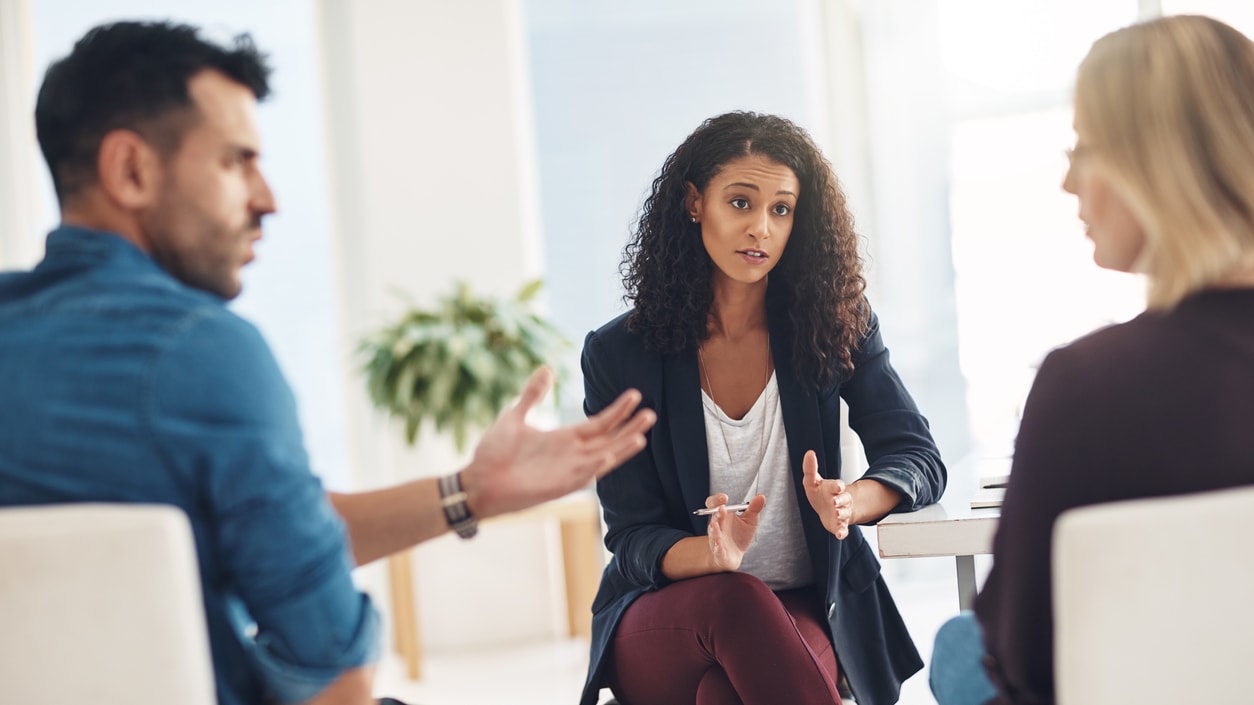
[{"x": 120, "y": 384}]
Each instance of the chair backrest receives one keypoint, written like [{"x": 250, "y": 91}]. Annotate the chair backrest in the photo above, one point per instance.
[
  {"x": 1154, "y": 600},
  {"x": 101, "y": 604}
]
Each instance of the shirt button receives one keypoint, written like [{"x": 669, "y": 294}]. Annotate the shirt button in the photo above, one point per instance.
[{"x": 831, "y": 610}]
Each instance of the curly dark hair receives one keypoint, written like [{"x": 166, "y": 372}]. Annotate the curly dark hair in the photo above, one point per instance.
[
  {"x": 130, "y": 75},
  {"x": 818, "y": 282}
]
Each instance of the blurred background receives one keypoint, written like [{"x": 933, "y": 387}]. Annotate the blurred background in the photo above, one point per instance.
[{"x": 412, "y": 143}]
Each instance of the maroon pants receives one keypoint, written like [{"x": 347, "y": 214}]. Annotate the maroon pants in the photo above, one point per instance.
[{"x": 723, "y": 639}]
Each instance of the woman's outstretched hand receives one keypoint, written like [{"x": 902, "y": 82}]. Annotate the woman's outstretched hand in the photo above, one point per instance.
[
  {"x": 830, "y": 499},
  {"x": 730, "y": 533}
]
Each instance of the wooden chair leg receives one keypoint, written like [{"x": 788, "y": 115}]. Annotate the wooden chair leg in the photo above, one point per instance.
[
  {"x": 581, "y": 559},
  {"x": 405, "y": 634}
]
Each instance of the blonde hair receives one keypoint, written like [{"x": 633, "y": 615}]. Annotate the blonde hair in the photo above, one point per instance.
[{"x": 1168, "y": 106}]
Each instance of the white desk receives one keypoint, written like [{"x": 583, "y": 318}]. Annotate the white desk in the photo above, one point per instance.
[{"x": 949, "y": 528}]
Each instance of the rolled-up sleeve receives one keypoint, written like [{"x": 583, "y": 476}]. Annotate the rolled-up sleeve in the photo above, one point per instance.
[
  {"x": 225, "y": 419},
  {"x": 289, "y": 677},
  {"x": 895, "y": 434}
]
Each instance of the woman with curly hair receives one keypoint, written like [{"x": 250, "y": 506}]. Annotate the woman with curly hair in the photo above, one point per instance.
[{"x": 749, "y": 326}]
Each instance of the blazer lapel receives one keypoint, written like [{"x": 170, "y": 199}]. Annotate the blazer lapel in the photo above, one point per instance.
[
  {"x": 686, "y": 419},
  {"x": 799, "y": 403}
]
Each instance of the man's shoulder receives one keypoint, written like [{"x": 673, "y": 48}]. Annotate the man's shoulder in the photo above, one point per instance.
[
  {"x": 177, "y": 313},
  {"x": 104, "y": 285}
]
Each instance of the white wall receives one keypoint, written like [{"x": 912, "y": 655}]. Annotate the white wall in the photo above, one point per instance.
[
  {"x": 433, "y": 169},
  {"x": 20, "y": 199},
  {"x": 617, "y": 88}
]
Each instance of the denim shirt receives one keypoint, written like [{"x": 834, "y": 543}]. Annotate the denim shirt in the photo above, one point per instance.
[{"x": 121, "y": 384}]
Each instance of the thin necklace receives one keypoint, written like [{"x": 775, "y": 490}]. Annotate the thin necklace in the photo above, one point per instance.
[{"x": 766, "y": 373}]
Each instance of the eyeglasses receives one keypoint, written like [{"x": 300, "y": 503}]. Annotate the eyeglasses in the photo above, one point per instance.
[{"x": 1076, "y": 153}]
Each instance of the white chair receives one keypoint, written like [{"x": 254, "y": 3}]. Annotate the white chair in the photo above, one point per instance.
[
  {"x": 1154, "y": 600},
  {"x": 101, "y": 604}
]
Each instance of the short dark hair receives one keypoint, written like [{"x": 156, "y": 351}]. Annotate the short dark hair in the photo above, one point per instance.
[{"x": 130, "y": 75}]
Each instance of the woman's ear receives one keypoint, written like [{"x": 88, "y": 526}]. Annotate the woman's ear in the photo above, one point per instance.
[
  {"x": 692, "y": 203},
  {"x": 128, "y": 170}
]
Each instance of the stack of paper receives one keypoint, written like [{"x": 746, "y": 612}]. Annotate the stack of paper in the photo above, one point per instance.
[{"x": 991, "y": 491}]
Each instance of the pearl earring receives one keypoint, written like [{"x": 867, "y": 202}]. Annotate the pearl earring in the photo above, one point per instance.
[{"x": 693, "y": 217}]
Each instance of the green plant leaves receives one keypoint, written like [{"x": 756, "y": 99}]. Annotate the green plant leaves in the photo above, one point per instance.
[
  {"x": 529, "y": 290},
  {"x": 460, "y": 363}
]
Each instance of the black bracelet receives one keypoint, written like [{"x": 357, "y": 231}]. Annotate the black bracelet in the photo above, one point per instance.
[{"x": 456, "y": 513}]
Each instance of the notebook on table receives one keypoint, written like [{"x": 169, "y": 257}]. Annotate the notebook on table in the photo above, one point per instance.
[{"x": 991, "y": 489}]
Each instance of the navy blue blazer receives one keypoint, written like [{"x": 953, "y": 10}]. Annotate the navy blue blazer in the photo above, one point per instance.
[{"x": 648, "y": 501}]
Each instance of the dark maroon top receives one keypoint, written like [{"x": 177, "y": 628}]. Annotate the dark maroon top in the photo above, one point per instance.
[{"x": 1160, "y": 405}]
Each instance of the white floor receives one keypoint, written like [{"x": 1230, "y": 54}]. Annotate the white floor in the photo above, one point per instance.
[
  {"x": 552, "y": 673},
  {"x": 544, "y": 673}
]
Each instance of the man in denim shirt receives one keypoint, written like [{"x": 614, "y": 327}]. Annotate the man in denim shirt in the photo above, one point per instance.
[{"x": 126, "y": 379}]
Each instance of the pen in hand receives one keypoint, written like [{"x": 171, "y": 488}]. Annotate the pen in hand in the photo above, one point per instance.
[{"x": 705, "y": 512}]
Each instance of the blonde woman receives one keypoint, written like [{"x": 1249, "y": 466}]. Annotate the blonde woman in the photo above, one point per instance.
[{"x": 1163, "y": 169}]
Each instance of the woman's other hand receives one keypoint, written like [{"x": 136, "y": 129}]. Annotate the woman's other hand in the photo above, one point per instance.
[
  {"x": 730, "y": 533},
  {"x": 830, "y": 499}
]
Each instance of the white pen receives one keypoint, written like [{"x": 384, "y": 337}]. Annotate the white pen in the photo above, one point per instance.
[{"x": 714, "y": 510}]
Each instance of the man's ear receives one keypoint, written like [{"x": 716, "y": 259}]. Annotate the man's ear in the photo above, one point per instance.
[
  {"x": 128, "y": 169},
  {"x": 692, "y": 202}
]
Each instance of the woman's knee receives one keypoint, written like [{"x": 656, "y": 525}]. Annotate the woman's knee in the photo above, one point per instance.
[
  {"x": 957, "y": 634},
  {"x": 957, "y": 675},
  {"x": 721, "y": 598},
  {"x": 738, "y": 593}
]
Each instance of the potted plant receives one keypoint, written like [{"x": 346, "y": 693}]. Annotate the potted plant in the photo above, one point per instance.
[{"x": 458, "y": 364}]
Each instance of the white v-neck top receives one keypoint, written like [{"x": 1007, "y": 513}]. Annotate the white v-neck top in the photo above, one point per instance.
[{"x": 778, "y": 553}]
